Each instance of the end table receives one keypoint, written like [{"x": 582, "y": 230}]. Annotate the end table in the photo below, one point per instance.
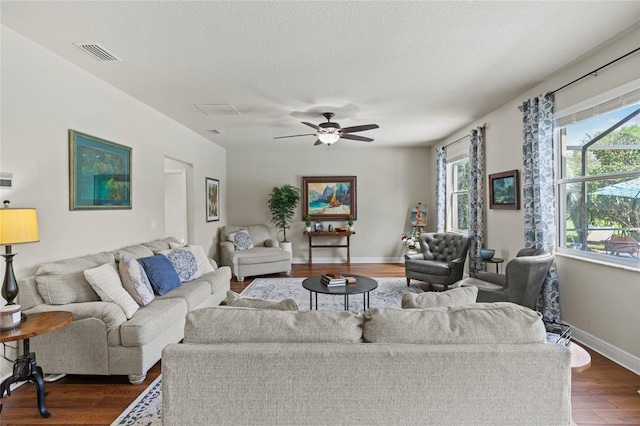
[{"x": 25, "y": 367}]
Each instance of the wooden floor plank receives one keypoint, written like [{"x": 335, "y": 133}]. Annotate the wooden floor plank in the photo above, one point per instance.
[{"x": 605, "y": 394}]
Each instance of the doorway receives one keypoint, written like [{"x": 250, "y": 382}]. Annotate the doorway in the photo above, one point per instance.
[{"x": 175, "y": 204}]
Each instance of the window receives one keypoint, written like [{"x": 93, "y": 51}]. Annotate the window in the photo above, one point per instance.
[
  {"x": 458, "y": 195},
  {"x": 599, "y": 181}
]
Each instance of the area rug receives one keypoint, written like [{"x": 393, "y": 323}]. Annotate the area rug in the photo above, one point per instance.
[
  {"x": 146, "y": 410},
  {"x": 388, "y": 294}
]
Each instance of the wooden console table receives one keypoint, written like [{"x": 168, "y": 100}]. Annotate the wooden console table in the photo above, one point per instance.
[{"x": 313, "y": 234}]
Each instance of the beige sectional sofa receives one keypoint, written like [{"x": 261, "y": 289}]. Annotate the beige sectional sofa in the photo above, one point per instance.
[
  {"x": 101, "y": 340},
  {"x": 472, "y": 364}
]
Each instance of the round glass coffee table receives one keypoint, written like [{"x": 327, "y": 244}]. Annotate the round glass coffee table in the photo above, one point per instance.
[{"x": 363, "y": 285}]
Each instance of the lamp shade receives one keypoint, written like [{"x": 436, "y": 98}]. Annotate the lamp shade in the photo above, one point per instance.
[
  {"x": 18, "y": 226},
  {"x": 328, "y": 138}
]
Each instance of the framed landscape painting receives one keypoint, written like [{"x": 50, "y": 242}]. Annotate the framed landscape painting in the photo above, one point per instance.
[
  {"x": 213, "y": 199},
  {"x": 504, "y": 190},
  {"x": 329, "y": 197},
  {"x": 99, "y": 173}
]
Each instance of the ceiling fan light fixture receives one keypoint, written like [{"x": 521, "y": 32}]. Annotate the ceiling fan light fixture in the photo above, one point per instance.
[{"x": 328, "y": 138}]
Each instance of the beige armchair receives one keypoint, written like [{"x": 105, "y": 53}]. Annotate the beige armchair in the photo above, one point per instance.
[
  {"x": 263, "y": 257},
  {"x": 521, "y": 282},
  {"x": 441, "y": 262}
]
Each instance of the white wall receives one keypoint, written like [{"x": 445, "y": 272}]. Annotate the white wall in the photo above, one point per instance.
[
  {"x": 43, "y": 96},
  {"x": 601, "y": 301},
  {"x": 389, "y": 182}
]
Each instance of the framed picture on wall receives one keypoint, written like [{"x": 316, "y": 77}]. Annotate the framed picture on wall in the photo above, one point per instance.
[
  {"x": 99, "y": 173},
  {"x": 329, "y": 197},
  {"x": 504, "y": 190},
  {"x": 213, "y": 199}
]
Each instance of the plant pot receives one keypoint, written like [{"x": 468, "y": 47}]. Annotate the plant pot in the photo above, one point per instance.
[
  {"x": 286, "y": 246},
  {"x": 351, "y": 229},
  {"x": 308, "y": 229}
]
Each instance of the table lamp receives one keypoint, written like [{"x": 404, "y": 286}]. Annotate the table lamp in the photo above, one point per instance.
[{"x": 17, "y": 226}]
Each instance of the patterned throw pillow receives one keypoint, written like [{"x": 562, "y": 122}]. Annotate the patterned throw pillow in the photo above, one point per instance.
[
  {"x": 106, "y": 282},
  {"x": 135, "y": 281},
  {"x": 184, "y": 262},
  {"x": 241, "y": 239},
  {"x": 204, "y": 266}
]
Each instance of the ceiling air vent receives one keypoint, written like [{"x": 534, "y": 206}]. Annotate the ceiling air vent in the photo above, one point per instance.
[
  {"x": 216, "y": 131},
  {"x": 217, "y": 109},
  {"x": 98, "y": 52}
]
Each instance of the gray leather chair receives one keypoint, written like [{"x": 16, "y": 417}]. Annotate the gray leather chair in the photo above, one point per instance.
[
  {"x": 521, "y": 283},
  {"x": 441, "y": 262}
]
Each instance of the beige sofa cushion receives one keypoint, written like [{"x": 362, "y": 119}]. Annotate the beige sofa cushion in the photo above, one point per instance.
[
  {"x": 477, "y": 323},
  {"x": 63, "y": 282},
  {"x": 234, "y": 299},
  {"x": 136, "y": 252},
  {"x": 158, "y": 245},
  {"x": 234, "y": 325},
  {"x": 152, "y": 320},
  {"x": 433, "y": 299}
]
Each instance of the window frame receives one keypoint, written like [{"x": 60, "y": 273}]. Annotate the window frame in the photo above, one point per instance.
[
  {"x": 561, "y": 182},
  {"x": 451, "y": 194}
]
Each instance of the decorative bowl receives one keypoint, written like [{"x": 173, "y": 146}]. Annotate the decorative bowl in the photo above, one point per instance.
[{"x": 487, "y": 254}]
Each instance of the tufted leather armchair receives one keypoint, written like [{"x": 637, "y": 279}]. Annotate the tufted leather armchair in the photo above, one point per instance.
[
  {"x": 521, "y": 283},
  {"x": 442, "y": 259}
]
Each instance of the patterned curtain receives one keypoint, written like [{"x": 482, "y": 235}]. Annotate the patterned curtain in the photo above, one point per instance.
[
  {"x": 539, "y": 193},
  {"x": 441, "y": 190},
  {"x": 476, "y": 198}
]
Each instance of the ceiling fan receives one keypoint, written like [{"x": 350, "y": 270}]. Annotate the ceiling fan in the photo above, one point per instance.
[{"x": 329, "y": 133}]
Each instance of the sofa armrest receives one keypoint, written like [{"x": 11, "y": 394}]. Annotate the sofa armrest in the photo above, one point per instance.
[
  {"x": 414, "y": 256},
  {"x": 226, "y": 248},
  {"x": 111, "y": 314},
  {"x": 271, "y": 243},
  {"x": 213, "y": 263},
  {"x": 492, "y": 277}
]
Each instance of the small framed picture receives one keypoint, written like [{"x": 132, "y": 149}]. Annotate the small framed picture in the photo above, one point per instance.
[
  {"x": 504, "y": 190},
  {"x": 213, "y": 199}
]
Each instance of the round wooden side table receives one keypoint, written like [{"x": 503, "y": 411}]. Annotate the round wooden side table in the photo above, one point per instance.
[{"x": 25, "y": 367}]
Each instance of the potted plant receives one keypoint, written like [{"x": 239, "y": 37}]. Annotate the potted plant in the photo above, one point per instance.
[
  {"x": 307, "y": 222},
  {"x": 350, "y": 222},
  {"x": 282, "y": 204}
]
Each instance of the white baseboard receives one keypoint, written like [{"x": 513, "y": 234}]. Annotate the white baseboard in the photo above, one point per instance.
[
  {"x": 615, "y": 354},
  {"x": 301, "y": 260}
]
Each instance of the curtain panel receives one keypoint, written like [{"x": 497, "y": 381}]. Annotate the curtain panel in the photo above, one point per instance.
[
  {"x": 539, "y": 198},
  {"x": 441, "y": 190},
  {"x": 476, "y": 199}
]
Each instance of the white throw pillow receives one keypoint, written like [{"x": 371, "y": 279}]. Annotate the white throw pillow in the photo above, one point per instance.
[
  {"x": 241, "y": 239},
  {"x": 432, "y": 299},
  {"x": 135, "y": 281},
  {"x": 176, "y": 245},
  {"x": 184, "y": 262},
  {"x": 106, "y": 282}
]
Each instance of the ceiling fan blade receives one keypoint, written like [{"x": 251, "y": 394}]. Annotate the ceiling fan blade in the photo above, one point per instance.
[
  {"x": 360, "y": 128},
  {"x": 318, "y": 142},
  {"x": 310, "y": 125},
  {"x": 295, "y": 136},
  {"x": 356, "y": 138}
]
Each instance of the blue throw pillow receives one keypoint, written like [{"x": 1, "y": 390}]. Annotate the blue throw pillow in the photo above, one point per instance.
[{"x": 162, "y": 276}]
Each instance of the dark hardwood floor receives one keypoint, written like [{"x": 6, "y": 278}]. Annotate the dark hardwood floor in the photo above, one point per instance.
[{"x": 605, "y": 394}]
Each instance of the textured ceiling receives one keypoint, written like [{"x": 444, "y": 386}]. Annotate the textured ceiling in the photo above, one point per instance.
[{"x": 421, "y": 70}]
